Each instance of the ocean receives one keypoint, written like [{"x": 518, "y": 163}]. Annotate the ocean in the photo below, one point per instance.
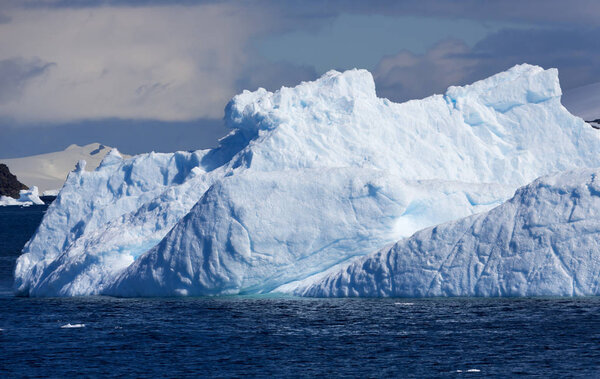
[{"x": 265, "y": 336}]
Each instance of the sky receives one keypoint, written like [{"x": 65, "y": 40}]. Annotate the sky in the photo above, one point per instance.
[{"x": 152, "y": 75}]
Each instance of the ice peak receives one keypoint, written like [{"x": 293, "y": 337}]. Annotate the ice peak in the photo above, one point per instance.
[
  {"x": 351, "y": 82},
  {"x": 112, "y": 157},
  {"x": 261, "y": 109},
  {"x": 519, "y": 85}
]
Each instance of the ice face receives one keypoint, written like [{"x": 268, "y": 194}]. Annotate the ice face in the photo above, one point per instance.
[
  {"x": 542, "y": 242},
  {"x": 169, "y": 224},
  {"x": 509, "y": 128},
  {"x": 95, "y": 210},
  {"x": 255, "y": 231}
]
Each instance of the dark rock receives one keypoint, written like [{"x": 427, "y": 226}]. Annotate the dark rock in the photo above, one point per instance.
[
  {"x": 99, "y": 149},
  {"x": 9, "y": 185},
  {"x": 594, "y": 123}
]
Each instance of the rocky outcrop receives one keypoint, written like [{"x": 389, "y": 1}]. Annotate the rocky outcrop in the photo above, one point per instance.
[
  {"x": 595, "y": 123},
  {"x": 9, "y": 185}
]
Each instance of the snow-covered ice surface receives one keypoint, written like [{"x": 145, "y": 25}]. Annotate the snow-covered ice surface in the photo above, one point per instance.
[
  {"x": 543, "y": 241},
  {"x": 26, "y": 198},
  {"x": 309, "y": 178}
]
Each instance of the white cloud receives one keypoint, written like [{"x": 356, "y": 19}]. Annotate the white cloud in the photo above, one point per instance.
[{"x": 164, "y": 63}]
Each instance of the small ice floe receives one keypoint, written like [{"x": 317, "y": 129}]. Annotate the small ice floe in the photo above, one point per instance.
[
  {"x": 69, "y": 326},
  {"x": 404, "y": 304},
  {"x": 470, "y": 370}
]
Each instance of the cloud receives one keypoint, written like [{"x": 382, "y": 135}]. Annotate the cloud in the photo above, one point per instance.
[
  {"x": 274, "y": 75},
  {"x": 553, "y": 12},
  {"x": 183, "y": 60},
  {"x": 407, "y": 76},
  {"x": 575, "y": 52},
  {"x": 170, "y": 63},
  {"x": 15, "y": 73},
  {"x": 557, "y": 12}
]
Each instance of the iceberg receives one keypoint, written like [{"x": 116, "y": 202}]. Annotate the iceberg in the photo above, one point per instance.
[
  {"x": 26, "y": 198},
  {"x": 544, "y": 241},
  {"x": 309, "y": 178}
]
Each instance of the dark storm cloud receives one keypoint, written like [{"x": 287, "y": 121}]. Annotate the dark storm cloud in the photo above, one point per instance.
[
  {"x": 540, "y": 41},
  {"x": 574, "y": 11},
  {"x": 531, "y": 11},
  {"x": 575, "y": 52}
]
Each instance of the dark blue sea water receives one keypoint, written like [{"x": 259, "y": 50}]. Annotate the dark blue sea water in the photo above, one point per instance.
[{"x": 276, "y": 336}]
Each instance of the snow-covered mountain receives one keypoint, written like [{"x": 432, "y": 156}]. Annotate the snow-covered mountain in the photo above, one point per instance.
[
  {"x": 543, "y": 241},
  {"x": 49, "y": 171},
  {"x": 309, "y": 178}
]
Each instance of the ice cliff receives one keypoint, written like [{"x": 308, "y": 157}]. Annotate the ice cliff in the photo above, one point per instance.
[
  {"x": 543, "y": 241},
  {"x": 310, "y": 177}
]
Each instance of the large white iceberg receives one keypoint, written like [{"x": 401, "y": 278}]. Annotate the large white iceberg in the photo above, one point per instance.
[
  {"x": 544, "y": 241},
  {"x": 309, "y": 178},
  {"x": 26, "y": 198}
]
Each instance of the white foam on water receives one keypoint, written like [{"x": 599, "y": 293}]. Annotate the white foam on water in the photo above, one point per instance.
[{"x": 70, "y": 326}]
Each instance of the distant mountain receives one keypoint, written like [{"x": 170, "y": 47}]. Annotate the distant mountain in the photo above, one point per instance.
[
  {"x": 49, "y": 171},
  {"x": 9, "y": 185},
  {"x": 584, "y": 102}
]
